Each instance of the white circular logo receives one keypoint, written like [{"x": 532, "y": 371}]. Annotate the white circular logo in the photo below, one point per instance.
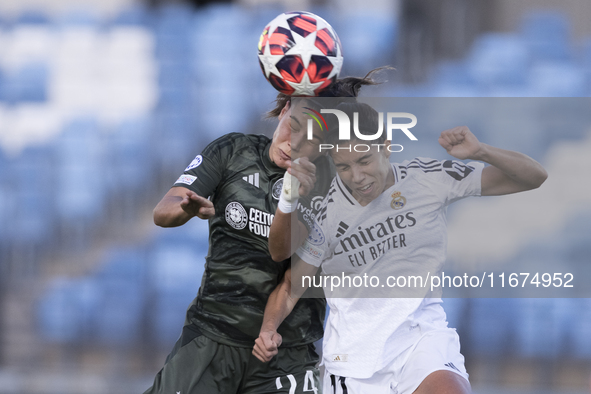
[
  {"x": 236, "y": 215},
  {"x": 277, "y": 187},
  {"x": 195, "y": 163},
  {"x": 316, "y": 203},
  {"x": 316, "y": 236}
]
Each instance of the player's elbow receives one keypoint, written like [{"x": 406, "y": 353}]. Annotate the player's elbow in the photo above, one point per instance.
[
  {"x": 158, "y": 218},
  {"x": 539, "y": 178},
  {"x": 161, "y": 219},
  {"x": 542, "y": 177},
  {"x": 278, "y": 255}
]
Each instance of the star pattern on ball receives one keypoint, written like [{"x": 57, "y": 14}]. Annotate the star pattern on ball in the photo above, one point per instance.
[
  {"x": 270, "y": 61},
  {"x": 337, "y": 63},
  {"x": 321, "y": 23},
  {"x": 280, "y": 21},
  {"x": 305, "y": 47},
  {"x": 305, "y": 87}
]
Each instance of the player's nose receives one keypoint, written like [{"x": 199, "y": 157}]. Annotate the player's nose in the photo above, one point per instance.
[
  {"x": 296, "y": 142},
  {"x": 357, "y": 174}
]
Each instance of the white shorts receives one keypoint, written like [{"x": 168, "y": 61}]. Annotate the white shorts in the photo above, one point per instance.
[{"x": 436, "y": 350}]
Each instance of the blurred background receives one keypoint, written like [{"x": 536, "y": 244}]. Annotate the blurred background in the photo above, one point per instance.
[{"x": 103, "y": 103}]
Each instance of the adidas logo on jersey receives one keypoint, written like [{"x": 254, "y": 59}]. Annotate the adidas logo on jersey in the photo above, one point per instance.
[
  {"x": 340, "y": 357},
  {"x": 253, "y": 179},
  {"x": 343, "y": 227},
  {"x": 451, "y": 365}
]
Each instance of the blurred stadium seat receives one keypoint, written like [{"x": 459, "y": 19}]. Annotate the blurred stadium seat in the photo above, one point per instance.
[
  {"x": 498, "y": 59},
  {"x": 28, "y": 83},
  {"x": 557, "y": 79},
  {"x": 491, "y": 326},
  {"x": 547, "y": 35},
  {"x": 579, "y": 327},
  {"x": 540, "y": 326},
  {"x": 32, "y": 17},
  {"x": 455, "y": 310},
  {"x": 62, "y": 311}
]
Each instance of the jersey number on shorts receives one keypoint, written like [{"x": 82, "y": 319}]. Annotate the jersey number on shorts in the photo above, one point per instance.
[{"x": 309, "y": 385}]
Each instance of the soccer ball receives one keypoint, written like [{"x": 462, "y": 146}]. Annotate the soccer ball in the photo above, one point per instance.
[{"x": 300, "y": 54}]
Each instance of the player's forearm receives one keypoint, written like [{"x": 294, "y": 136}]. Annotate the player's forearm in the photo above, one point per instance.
[
  {"x": 168, "y": 212},
  {"x": 279, "y": 306},
  {"x": 280, "y": 236},
  {"x": 520, "y": 168}
]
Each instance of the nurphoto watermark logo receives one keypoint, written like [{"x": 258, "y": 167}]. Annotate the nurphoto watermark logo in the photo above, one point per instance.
[{"x": 344, "y": 129}]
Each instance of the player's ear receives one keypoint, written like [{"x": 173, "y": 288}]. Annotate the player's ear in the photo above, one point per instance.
[
  {"x": 284, "y": 109},
  {"x": 386, "y": 151}
]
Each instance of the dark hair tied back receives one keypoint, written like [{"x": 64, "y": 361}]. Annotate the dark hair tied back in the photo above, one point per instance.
[{"x": 345, "y": 87}]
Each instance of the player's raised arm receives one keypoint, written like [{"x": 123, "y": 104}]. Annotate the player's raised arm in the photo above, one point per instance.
[
  {"x": 509, "y": 171},
  {"x": 279, "y": 305},
  {"x": 179, "y": 205},
  {"x": 299, "y": 180}
]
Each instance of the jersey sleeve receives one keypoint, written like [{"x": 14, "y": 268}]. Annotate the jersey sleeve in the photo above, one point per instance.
[
  {"x": 450, "y": 180},
  {"x": 206, "y": 171}
]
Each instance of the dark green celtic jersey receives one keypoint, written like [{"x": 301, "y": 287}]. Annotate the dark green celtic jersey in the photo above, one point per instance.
[{"x": 237, "y": 174}]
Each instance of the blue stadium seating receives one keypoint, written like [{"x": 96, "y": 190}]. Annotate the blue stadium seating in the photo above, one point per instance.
[
  {"x": 175, "y": 75},
  {"x": 490, "y": 326},
  {"x": 119, "y": 314},
  {"x": 356, "y": 30},
  {"x": 557, "y": 79},
  {"x": 28, "y": 83},
  {"x": 126, "y": 266},
  {"x": 80, "y": 17},
  {"x": 135, "y": 15},
  {"x": 129, "y": 157},
  {"x": 547, "y": 35},
  {"x": 541, "y": 326},
  {"x": 579, "y": 327},
  {"x": 172, "y": 24},
  {"x": 32, "y": 184},
  {"x": 455, "y": 309},
  {"x": 59, "y": 313},
  {"x": 498, "y": 59},
  {"x": 33, "y": 17},
  {"x": 168, "y": 315},
  {"x": 3, "y": 93}
]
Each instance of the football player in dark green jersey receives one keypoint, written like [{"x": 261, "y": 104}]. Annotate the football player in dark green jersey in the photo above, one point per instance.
[{"x": 236, "y": 183}]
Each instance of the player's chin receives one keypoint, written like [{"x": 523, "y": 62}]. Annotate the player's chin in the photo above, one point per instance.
[{"x": 282, "y": 163}]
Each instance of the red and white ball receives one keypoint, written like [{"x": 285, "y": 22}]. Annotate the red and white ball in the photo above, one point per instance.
[{"x": 300, "y": 54}]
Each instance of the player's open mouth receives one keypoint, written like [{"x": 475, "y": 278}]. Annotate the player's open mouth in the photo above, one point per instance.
[{"x": 366, "y": 189}]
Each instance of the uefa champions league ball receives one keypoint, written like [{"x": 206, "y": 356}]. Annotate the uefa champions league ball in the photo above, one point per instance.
[{"x": 300, "y": 54}]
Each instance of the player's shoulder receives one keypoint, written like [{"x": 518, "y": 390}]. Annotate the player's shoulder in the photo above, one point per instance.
[
  {"x": 417, "y": 166},
  {"x": 237, "y": 141},
  {"x": 328, "y": 203},
  {"x": 424, "y": 164},
  {"x": 422, "y": 167}
]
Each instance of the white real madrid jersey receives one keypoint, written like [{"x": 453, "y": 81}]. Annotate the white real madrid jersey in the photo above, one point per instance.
[{"x": 402, "y": 233}]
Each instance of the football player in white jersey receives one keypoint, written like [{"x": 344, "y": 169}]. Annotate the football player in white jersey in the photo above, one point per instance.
[{"x": 386, "y": 220}]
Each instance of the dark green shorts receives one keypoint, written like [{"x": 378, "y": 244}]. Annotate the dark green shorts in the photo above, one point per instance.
[{"x": 199, "y": 365}]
